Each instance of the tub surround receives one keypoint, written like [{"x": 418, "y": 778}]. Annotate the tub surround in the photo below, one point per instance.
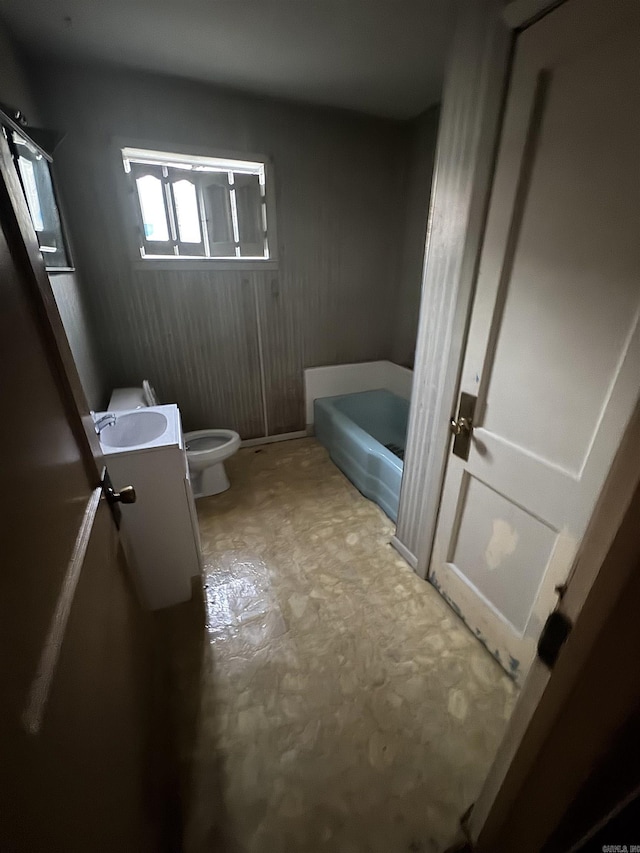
[{"x": 334, "y": 379}]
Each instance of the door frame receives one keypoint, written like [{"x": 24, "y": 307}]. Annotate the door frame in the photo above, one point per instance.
[
  {"x": 473, "y": 103},
  {"x": 473, "y": 106}
]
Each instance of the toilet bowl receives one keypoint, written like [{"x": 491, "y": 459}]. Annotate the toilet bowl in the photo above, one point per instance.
[{"x": 207, "y": 450}]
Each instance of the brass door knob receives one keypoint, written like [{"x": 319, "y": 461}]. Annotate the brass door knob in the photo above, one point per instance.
[
  {"x": 460, "y": 426},
  {"x": 126, "y": 495}
]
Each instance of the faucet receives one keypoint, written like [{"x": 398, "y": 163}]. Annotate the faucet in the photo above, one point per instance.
[{"x": 108, "y": 419}]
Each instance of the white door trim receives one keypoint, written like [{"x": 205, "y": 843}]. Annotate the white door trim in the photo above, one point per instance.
[
  {"x": 469, "y": 130},
  {"x": 467, "y": 142},
  {"x": 473, "y": 102}
]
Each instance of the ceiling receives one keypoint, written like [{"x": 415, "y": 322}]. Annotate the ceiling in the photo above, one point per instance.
[{"x": 384, "y": 57}]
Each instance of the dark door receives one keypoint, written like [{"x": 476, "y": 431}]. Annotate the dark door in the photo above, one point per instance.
[{"x": 76, "y": 660}]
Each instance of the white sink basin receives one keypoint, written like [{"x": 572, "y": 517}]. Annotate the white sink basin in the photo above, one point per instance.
[{"x": 134, "y": 428}]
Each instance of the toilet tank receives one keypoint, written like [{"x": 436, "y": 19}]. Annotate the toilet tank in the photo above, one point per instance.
[
  {"x": 132, "y": 398},
  {"x": 126, "y": 398}
]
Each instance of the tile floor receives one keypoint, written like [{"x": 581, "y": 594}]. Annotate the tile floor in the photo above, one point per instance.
[{"x": 342, "y": 706}]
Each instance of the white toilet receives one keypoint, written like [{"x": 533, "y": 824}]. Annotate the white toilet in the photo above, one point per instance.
[{"x": 207, "y": 449}]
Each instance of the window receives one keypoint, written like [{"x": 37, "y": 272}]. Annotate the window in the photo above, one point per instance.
[{"x": 198, "y": 207}]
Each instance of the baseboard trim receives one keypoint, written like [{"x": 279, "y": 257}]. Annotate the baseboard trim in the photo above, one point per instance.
[
  {"x": 270, "y": 439},
  {"x": 405, "y": 553}
]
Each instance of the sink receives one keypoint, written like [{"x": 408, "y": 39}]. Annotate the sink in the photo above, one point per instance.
[{"x": 134, "y": 428}]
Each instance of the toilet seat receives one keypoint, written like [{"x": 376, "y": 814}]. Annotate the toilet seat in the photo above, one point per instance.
[{"x": 206, "y": 446}]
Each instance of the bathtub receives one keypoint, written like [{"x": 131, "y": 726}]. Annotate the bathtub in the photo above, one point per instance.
[{"x": 365, "y": 435}]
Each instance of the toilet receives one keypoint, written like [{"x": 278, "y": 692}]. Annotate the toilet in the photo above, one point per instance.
[{"x": 206, "y": 449}]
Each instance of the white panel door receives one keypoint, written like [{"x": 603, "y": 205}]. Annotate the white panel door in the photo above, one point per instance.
[{"x": 554, "y": 346}]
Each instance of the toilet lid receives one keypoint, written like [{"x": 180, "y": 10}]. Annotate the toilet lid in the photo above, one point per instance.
[{"x": 206, "y": 442}]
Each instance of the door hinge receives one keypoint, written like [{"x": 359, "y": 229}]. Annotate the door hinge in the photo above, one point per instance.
[{"x": 554, "y": 634}]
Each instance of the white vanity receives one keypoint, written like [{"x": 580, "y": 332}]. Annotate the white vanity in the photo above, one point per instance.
[{"x": 143, "y": 447}]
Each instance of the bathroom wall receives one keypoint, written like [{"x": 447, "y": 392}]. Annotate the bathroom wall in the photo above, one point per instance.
[
  {"x": 67, "y": 290},
  {"x": 195, "y": 335},
  {"x": 14, "y": 88},
  {"x": 16, "y": 92},
  {"x": 417, "y": 192}
]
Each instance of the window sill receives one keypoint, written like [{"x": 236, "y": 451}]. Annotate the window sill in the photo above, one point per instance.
[{"x": 204, "y": 264}]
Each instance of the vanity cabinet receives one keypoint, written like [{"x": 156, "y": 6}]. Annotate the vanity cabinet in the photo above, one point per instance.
[{"x": 159, "y": 532}]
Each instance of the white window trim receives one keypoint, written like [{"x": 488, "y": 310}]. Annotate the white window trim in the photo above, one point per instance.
[{"x": 184, "y": 263}]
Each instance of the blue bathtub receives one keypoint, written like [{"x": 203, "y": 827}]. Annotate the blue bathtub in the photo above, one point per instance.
[{"x": 365, "y": 435}]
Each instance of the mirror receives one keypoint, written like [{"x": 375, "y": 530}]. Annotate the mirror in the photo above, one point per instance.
[{"x": 35, "y": 176}]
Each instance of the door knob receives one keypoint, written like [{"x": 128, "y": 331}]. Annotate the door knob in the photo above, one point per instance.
[
  {"x": 460, "y": 426},
  {"x": 126, "y": 495}
]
